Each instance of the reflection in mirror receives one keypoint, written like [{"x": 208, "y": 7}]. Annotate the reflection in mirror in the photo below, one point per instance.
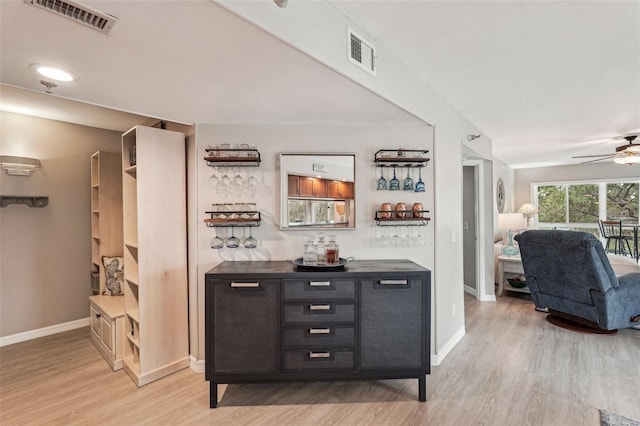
[{"x": 317, "y": 190}]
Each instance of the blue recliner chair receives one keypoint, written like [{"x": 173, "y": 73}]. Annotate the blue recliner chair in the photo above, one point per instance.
[{"x": 569, "y": 274}]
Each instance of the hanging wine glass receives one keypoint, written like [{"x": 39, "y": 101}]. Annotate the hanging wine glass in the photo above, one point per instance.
[
  {"x": 420, "y": 183},
  {"x": 233, "y": 241},
  {"x": 408, "y": 182},
  {"x": 382, "y": 182},
  {"x": 394, "y": 184},
  {"x": 250, "y": 242},
  {"x": 216, "y": 242},
  {"x": 214, "y": 179}
]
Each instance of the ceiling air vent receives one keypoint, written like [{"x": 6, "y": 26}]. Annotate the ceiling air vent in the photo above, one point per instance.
[
  {"x": 77, "y": 12},
  {"x": 361, "y": 52}
]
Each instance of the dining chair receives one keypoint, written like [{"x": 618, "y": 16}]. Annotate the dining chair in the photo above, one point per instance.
[{"x": 611, "y": 230}]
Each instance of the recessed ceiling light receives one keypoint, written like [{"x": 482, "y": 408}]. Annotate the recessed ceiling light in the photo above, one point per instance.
[{"x": 54, "y": 73}]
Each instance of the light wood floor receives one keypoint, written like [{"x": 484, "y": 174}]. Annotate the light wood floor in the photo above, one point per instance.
[{"x": 512, "y": 368}]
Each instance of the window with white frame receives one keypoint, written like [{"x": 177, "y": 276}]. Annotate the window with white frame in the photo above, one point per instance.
[{"x": 579, "y": 205}]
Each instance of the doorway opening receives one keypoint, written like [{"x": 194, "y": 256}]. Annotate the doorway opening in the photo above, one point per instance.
[{"x": 476, "y": 230}]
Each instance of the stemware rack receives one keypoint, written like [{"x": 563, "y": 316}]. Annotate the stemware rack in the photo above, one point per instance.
[
  {"x": 401, "y": 158},
  {"x": 236, "y": 157},
  {"x": 392, "y": 218},
  {"x": 233, "y": 218}
]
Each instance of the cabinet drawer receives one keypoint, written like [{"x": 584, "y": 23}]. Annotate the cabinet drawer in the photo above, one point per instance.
[
  {"x": 319, "y": 336},
  {"x": 318, "y": 312},
  {"x": 319, "y": 289},
  {"x": 318, "y": 359}
]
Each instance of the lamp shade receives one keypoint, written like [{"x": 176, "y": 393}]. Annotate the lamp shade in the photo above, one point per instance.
[
  {"x": 528, "y": 209},
  {"x": 511, "y": 221}
]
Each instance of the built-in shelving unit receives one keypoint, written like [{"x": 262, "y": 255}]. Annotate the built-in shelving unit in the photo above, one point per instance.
[
  {"x": 107, "y": 312},
  {"x": 156, "y": 302},
  {"x": 106, "y": 209}
]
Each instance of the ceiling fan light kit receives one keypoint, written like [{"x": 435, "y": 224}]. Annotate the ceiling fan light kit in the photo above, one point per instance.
[{"x": 630, "y": 159}]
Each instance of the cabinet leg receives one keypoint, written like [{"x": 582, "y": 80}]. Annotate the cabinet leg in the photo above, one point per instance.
[
  {"x": 213, "y": 394},
  {"x": 422, "y": 388}
]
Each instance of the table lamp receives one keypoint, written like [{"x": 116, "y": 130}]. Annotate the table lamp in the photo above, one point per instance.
[
  {"x": 510, "y": 221},
  {"x": 528, "y": 210}
]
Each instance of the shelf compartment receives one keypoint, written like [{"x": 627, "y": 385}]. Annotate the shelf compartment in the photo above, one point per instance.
[
  {"x": 133, "y": 340},
  {"x": 254, "y": 218},
  {"x": 401, "y": 158},
  {"x": 393, "y": 219},
  {"x": 95, "y": 170},
  {"x": 236, "y": 157},
  {"x": 134, "y": 314},
  {"x": 132, "y": 170}
]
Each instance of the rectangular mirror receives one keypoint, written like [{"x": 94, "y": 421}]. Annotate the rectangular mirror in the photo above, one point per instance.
[{"x": 317, "y": 191}]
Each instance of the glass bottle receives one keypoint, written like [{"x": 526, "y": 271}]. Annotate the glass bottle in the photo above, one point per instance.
[
  {"x": 333, "y": 256},
  {"x": 321, "y": 250},
  {"x": 309, "y": 255}
]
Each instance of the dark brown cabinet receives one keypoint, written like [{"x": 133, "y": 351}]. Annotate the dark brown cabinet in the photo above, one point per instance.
[
  {"x": 311, "y": 187},
  {"x": 304, "y": 186},
  {"x": 338, "y": 189},
  {"x": 268, "y": 321}
]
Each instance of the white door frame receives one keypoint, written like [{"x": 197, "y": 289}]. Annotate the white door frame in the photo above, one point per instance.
[{"x": 480, "y": 218}]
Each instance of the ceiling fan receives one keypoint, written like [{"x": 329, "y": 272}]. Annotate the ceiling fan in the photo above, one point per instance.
[{"x": 625, "y": 154}]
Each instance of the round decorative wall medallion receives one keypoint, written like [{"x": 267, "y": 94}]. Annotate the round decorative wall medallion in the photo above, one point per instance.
[{"x": 500, "y": 195}]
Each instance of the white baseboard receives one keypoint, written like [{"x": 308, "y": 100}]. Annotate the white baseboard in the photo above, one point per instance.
[
  {"x": 437, "y": 358},
  {"x": 45, "y": 331},
  {"x": 472, "y": 291},
  {"x": 197, "y": 365},
  {"x": 488, "y": 298}
]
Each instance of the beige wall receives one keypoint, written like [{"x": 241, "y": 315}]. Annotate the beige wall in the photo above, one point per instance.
[{"x": 45, "y": 253}]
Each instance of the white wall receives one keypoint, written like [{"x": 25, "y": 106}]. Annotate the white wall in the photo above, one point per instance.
[
  {"x": 46, "y": 252},
  {"x": 271, "y": 140},
  {"x": 325, "y": 40},
  {"x": 506, "y": 172},
  {"x": 525, "y": 177}
]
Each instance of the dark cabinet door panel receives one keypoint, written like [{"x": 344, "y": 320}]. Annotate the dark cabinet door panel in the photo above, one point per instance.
[
  {"x": 391, "y": 327},
  {"x": 246, "y": 327}
]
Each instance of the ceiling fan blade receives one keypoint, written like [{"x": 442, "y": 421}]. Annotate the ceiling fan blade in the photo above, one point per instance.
[
  {"x": 595, "y": 155},
  {"x": 599, "y": 159}
]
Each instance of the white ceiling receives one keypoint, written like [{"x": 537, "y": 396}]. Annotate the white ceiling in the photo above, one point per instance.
[{"x": 544, "y": 80}]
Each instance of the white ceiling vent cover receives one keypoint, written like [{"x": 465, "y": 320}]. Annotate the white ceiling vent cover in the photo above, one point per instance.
[
  {"x": 361, "y": 52},
  {"x": 77, "y": 12}
]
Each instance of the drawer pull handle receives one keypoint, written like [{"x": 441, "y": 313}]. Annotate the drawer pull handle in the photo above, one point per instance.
[
  {"x": 319, "y": 355},
  {"x": 98, "y": 315},
  {"x": 393, "y": 282},
  {"x": 320, "y": 331},
  {"x": 244, "y": 285},
  {"x": 319, "y": 283},
  {"x": 326, "y": 307}
]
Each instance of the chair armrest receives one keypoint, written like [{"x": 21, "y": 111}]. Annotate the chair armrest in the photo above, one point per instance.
[
  {"x": 631, "y": 279},
  {"x": 619, "y": 304}
]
